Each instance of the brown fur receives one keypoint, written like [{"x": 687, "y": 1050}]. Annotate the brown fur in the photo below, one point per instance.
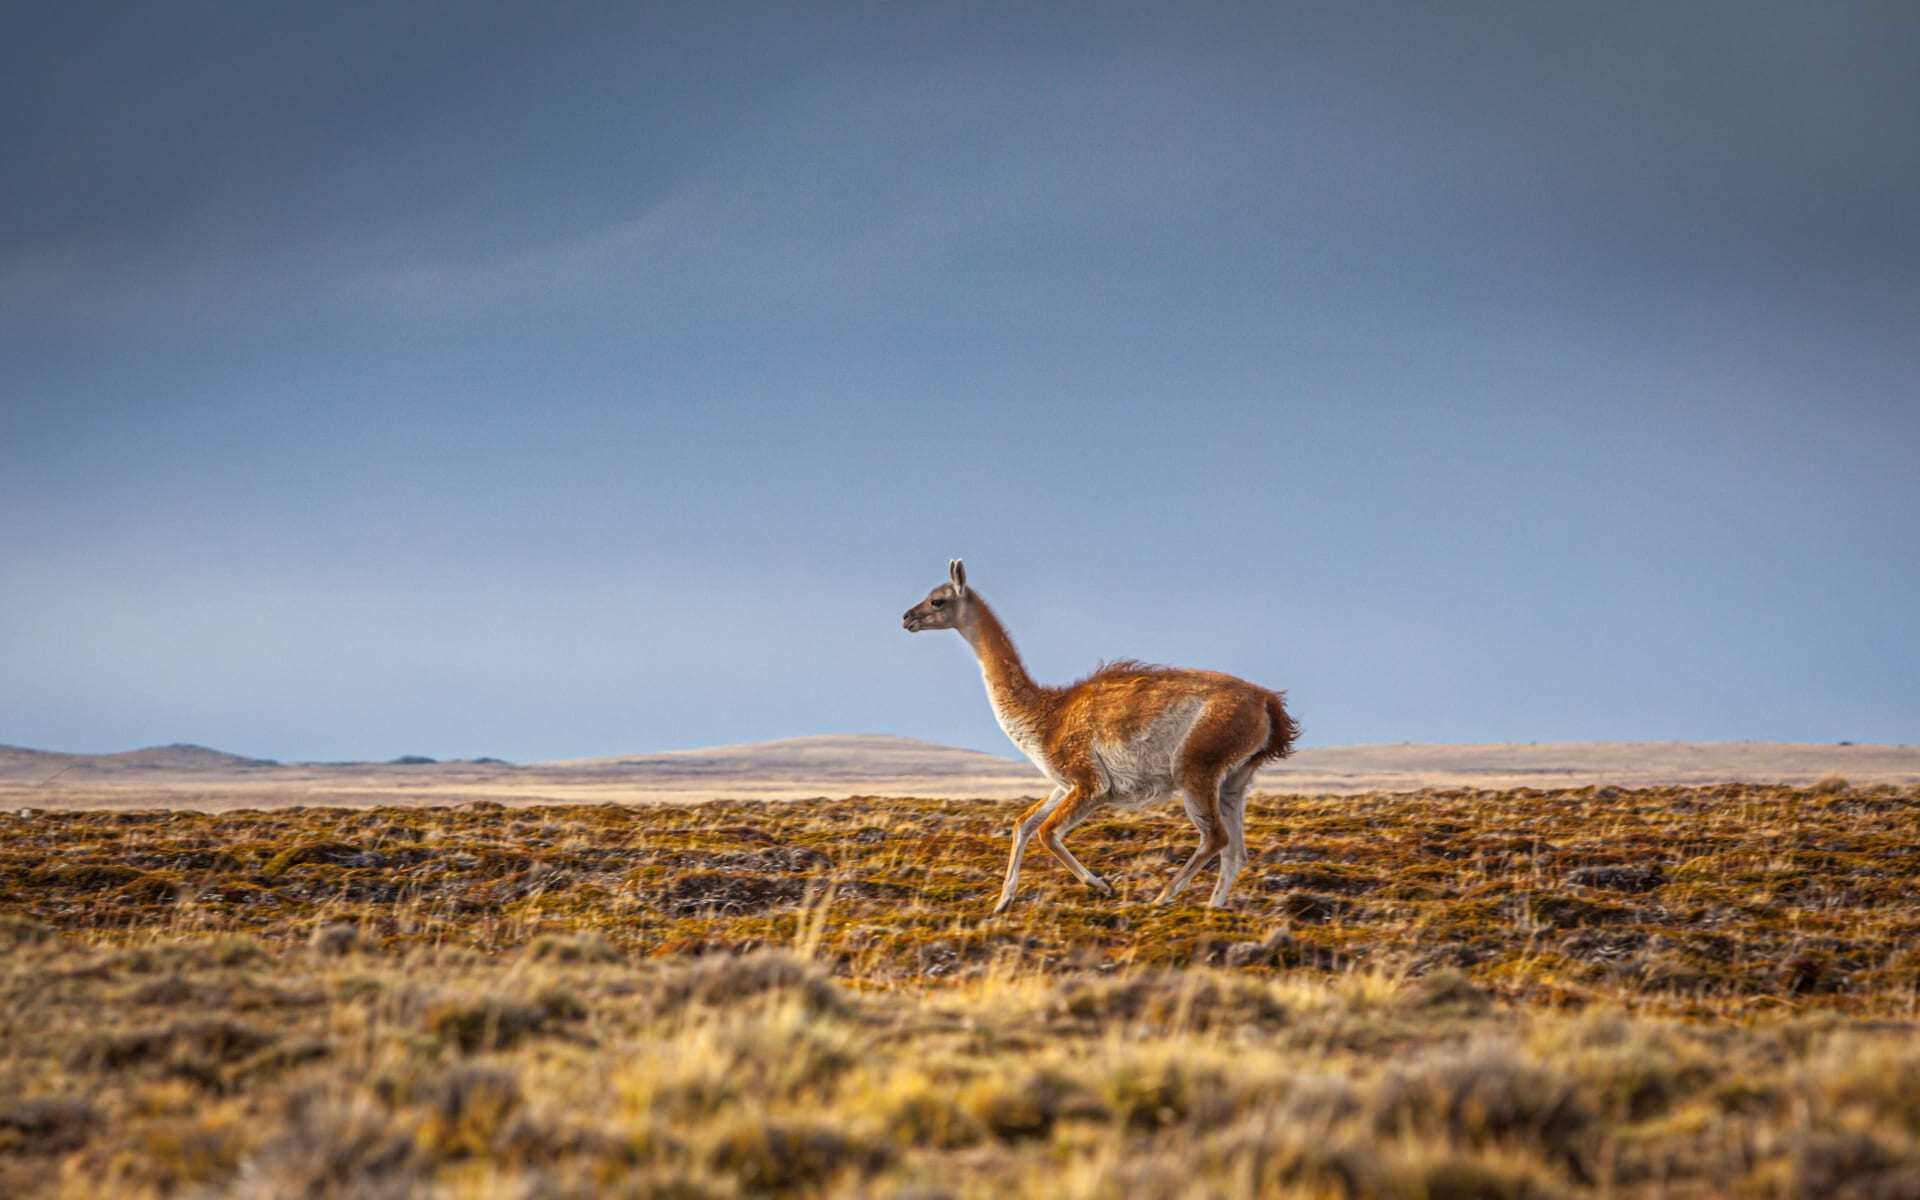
[
  {"x": 1121, "y": 698},
  {"x": 1239, "y": 726}
]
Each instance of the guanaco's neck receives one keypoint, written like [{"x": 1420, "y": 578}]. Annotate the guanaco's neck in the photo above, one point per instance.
[{"x": 1008, "y": 684}]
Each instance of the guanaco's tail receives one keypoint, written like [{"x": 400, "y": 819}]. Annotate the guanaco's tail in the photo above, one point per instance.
[{"x": 1285, "y": 729}]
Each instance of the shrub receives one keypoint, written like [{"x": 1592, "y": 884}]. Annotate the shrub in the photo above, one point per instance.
[
  {"x": 1866, "y": 1076},
  {"x": 725, "y": 892},
  {"x": 193, "y": 1049},
  {"x": 728, "y": 979},
  {"x": 172, "y": 1153},
  {"x": 48, "y": 1126},
  {"x": 1012, "y": 1107},
  {"x": 916, "y": 1111},
  {"x": 769, "y": 1156},
  {"x": 1169, "y": 1000},
  {"x": 1487, "y": 1096},
  {"x": 497, "y": 1022},
  {"x": 1847, "y": 1163},
  {"x": 1619, "y": 877},
  {"x": 84, "y": 877},
  {"x": 1635, "y": 1072},
  {"x": 226, "y": 950},
  {"x": 22, "y": 931},
  {"x": 1446, "y": 990},
  {"x": 466, "y": 1109},
  {"x": 1150, "y": 1090},
  {"x": 1317, "y": 1102},
  {"x": 573, "y": 948},
  {"x": 1273, "y": 1157},
  {"x": 1461, "y": 1177},
  {"x": 332, "y": 1149},
  {"x": 335, "y": 939},
  {"x": 1277, "y": 949},
  {"x": 312, "y": 851}
]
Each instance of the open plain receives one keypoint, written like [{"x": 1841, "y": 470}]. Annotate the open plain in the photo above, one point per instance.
[
  {"x": 1453, "y": 992},
  {"x": 194, "y": 777}
]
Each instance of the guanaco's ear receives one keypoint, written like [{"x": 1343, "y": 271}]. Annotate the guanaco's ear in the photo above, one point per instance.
[{"x": 957, "y": 575}]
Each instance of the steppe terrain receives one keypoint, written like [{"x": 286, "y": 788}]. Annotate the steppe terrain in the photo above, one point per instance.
[
  {"x": 1669, "y": 991},
  {"x": 183, "y": 776}
]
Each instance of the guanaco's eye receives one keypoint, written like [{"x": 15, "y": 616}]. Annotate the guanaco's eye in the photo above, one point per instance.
[{"x": 939, "y": 601}]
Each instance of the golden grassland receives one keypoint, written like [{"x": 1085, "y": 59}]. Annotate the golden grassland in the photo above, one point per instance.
[{"x": 1449, "y": 994}]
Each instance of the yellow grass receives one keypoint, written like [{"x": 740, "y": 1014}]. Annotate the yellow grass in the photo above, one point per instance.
[{"x": 1608, "y": 992}]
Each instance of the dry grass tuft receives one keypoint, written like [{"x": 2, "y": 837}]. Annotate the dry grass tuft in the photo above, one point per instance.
[
  {"x": 1488, "y": 1096},
  {"x": 1276, "y": 1158},
  {"x": 48, "y": 1126},
  {"x": 726, "y": 979},
  {"x": 467, "y": 1110},
  {"x": 1846, "y": 1163},
  {"x": 331, "y": 1148},
  {"x": 1168, "y": 1001},
  {"x": 1447, "y": 989},
  {"x": 21, "y": 931},
  {"x": 1028, "y": 1104},
  {"x": 573, "y": 948},
  {"x": 193, "y": 1049},
  {"x": 768, "y": 1156},
  {"x": 498, "y": 1022},
  {"x": 335, "y": 938}
]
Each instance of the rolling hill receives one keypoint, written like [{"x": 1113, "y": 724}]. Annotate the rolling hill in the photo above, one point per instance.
[{"x": 19, "y": 762}]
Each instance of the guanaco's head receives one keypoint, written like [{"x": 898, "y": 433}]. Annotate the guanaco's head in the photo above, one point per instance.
[{"x": 944, "y": 605}]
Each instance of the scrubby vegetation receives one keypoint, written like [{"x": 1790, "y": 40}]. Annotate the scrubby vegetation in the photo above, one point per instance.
[{"x": 1673, "y": 992}]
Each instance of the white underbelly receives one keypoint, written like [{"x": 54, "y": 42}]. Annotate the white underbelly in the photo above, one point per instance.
[{"x": 1141, "y": 769}]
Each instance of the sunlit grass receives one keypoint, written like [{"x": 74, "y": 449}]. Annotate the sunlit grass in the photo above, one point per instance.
[{"x": 1665, "y": 993}]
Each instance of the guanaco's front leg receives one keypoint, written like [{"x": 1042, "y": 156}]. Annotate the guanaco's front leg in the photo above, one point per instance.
[{"x": 1022, "y": 833}]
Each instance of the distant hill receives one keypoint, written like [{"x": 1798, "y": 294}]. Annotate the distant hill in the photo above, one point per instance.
[{"x": 17, "y": 762}]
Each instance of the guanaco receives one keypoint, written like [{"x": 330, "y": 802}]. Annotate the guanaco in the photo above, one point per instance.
[{"x": 1129, "y": 733}]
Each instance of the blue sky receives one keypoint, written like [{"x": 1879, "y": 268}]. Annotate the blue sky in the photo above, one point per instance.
[{"x": 556, "y": 380}]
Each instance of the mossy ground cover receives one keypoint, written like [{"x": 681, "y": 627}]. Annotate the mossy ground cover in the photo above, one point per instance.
[{"x": 1526, "y": 993}]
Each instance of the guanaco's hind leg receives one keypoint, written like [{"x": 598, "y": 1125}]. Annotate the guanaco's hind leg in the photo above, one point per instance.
[
  {"x": 1201, "y": 802},
  {"x": 1022, "y": 832},
  {"x": 1212, "y": 771},
  {"x": 1233, "y": 816}
]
